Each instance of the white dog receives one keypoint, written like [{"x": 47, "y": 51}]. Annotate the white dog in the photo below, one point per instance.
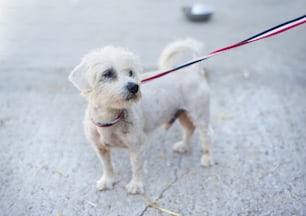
[{"x": 120, "y": 112}]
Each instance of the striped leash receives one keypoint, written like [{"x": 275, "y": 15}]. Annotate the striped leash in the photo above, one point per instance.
[{"x": 265, "y": 34}]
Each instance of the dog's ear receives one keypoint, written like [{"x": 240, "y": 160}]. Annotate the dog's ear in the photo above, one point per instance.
[{"x": 78, "y": 77}]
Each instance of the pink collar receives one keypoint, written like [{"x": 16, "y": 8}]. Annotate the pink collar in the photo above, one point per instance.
[{"x": 108, "y": 124}]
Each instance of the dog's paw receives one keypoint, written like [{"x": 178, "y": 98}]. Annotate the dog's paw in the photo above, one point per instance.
[
  {"x": 180, "y": 147},
  {"x": 134, "y": 187},
  {"x": 207, "y": 160},
  {"x": 105, "y": 183}
]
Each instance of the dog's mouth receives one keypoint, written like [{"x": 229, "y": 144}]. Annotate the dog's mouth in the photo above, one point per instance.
[{"x": 131, "y": 97}]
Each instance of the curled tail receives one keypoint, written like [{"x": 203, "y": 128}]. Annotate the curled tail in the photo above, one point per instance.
[{"x": 178, "y": 52}]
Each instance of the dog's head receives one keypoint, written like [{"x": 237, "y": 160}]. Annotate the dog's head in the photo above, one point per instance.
[{"x": 108, "y": 77}]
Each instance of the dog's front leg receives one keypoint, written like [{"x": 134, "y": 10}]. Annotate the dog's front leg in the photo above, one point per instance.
[
  {"x": 136, "y": 184},
  {"x": 108, "y": 179}
]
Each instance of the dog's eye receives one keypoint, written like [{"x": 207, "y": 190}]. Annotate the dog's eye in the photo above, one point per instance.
[
  {"x": 131, "y": 73},
  {"x": 109, "y": 73}
]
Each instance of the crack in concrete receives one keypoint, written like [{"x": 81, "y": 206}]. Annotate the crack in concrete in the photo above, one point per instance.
[
  {"x": 168, "y": 186},
  {"x": 144, "y": 211}
]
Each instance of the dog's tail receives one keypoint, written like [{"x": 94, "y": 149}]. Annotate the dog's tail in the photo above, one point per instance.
[{"x": 179, "y": 52}]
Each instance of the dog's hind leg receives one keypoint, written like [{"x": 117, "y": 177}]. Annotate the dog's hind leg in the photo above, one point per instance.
[
  {"x": 205, "y": 136},
  {"x": 201, "y": 122},
  {"x": 188, "y": 129}
]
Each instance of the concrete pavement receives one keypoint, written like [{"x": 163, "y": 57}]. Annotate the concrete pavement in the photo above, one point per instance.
[{"x": 257, "y": 100}]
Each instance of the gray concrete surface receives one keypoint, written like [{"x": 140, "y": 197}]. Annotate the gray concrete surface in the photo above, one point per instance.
[{"x": 258, "y": 111}]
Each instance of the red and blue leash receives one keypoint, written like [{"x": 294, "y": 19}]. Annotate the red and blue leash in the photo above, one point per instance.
[{"x": 265, "y": 34}]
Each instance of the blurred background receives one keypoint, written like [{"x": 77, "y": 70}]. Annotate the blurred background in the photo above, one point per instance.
[
  {"x": 36, "y": 34},
  {"x": 258, "y": 110}
]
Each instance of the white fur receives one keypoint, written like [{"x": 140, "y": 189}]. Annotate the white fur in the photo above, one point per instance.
[{"x": 155, "y": 104}]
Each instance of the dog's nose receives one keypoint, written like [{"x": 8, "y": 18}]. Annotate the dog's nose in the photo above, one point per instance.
[{"x": 132, "y": 87}]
